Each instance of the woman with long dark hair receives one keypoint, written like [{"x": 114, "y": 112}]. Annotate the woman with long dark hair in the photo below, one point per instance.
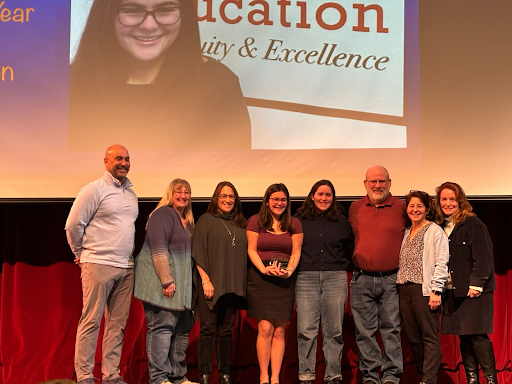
[
  {"x": 274, "y": 244},
  {"x": 219, "y": 249},
  {"x": 163, "y": 282},
  {"x": 321, "y": 289},
  {"x": 469, "y": 306},
  {"x": 139, "y": 74}
]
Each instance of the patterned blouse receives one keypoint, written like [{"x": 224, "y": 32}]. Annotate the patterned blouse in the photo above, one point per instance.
[{"x": 410, "y": 267}]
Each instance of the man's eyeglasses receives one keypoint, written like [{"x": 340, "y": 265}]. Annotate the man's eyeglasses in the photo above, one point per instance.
[
  {"x": 373, "y": 183},
  {"x": 132, "y": 16}
]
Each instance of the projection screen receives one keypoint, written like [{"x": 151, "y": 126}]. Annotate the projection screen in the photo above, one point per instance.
[{"x": 287, "y": 91}]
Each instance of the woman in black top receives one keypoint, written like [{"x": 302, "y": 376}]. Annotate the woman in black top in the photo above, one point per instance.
[
  {"x": 219, "y": 249},
  {"x": 321, "y": 288},
  {"x": 469, "y": 305}
]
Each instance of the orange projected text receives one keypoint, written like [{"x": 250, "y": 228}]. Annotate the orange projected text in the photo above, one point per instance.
[
  {"x": 258, "y": 12},
  {"x": 17, "y": 15},
  {"x": 7, "y": 73}
]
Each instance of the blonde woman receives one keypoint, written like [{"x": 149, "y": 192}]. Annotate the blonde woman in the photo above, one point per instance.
[{"x": 163, "y": 282}]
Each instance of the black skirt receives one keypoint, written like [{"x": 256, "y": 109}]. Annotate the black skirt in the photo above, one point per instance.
[
  {"x": 466, "y": 316},
  {"x": 270, "y": 297}
]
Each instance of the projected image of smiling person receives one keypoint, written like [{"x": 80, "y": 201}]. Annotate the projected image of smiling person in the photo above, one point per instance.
[
  {"x": 145, "y": 34},
  {"x": 139, "y": 74}
]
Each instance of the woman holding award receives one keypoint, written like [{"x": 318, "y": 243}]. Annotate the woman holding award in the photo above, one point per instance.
[{"x": 274, "y": 245}]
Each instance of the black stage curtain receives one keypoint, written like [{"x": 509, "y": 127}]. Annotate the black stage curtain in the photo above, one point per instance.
[{"x": 40, "y": 304}]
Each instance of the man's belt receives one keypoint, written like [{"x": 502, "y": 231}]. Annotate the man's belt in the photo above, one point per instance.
[{"x": 375, "y": 273}]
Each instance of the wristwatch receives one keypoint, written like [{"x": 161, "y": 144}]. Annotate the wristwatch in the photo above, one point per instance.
[{"x": 438, "y": 293}]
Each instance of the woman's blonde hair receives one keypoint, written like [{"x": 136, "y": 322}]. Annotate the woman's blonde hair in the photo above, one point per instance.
[{"x": 166, "y": 200}]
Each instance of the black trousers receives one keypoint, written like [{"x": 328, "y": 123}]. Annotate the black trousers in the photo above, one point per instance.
[
  {"x": 421, "y": 326},
  {"x": 220, "y": 319}
]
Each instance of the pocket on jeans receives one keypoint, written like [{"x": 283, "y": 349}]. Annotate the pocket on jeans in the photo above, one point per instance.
[{"x": 392, "y": 278}]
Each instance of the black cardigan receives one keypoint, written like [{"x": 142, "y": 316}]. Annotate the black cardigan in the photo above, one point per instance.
[{"x": 471, "y": 257}]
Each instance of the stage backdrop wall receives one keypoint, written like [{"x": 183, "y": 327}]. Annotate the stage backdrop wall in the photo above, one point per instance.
[{"x": 40, "y": 305}]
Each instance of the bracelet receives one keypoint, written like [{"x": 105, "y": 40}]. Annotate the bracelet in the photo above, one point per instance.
[{"x": 206, "y": 281}]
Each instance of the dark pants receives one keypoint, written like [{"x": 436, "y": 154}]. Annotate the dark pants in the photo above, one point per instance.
[
  {"x": 421, "y": 325},
  {"x": 221, "y": 318}
]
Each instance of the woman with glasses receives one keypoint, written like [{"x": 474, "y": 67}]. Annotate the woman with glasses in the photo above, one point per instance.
[
  {"x": 469, "y": 306},
  {"x": 163, "y": 282},
  {"x": 321, "y": 290},
  {"x": 139, "y": 72},
  {"x": 219, "y": 249},
  {"x": 274, "y": 245},
  {"x": 422, "y": 274}
]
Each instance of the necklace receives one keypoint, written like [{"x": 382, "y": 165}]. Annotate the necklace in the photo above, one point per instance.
[{"x": 231, "y": 236}]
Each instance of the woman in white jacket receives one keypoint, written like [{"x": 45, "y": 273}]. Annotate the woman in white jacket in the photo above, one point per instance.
[{"x": 422, "y": 274}]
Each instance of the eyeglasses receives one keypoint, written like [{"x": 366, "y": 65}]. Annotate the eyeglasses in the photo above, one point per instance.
[
  {"x": 182, "y": 193},
  {"x": 373, "y": 183},
  {"x": 132, "y": 16},
  {"x": 276, "y": 200},
  {"x": 223, "y": 196}
]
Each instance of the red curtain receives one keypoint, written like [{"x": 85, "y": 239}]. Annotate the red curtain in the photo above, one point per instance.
[{"x": 40, "y": 304}]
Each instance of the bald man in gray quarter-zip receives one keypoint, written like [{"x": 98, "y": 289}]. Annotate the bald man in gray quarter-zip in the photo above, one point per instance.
[{"x": 101, "y": 230}]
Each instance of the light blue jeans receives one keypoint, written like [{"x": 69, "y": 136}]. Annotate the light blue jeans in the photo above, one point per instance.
[
  {"x": 320, "y": 295},
  {"x": 375, "y": 306},
  {"x": 166, "y": 343}
]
